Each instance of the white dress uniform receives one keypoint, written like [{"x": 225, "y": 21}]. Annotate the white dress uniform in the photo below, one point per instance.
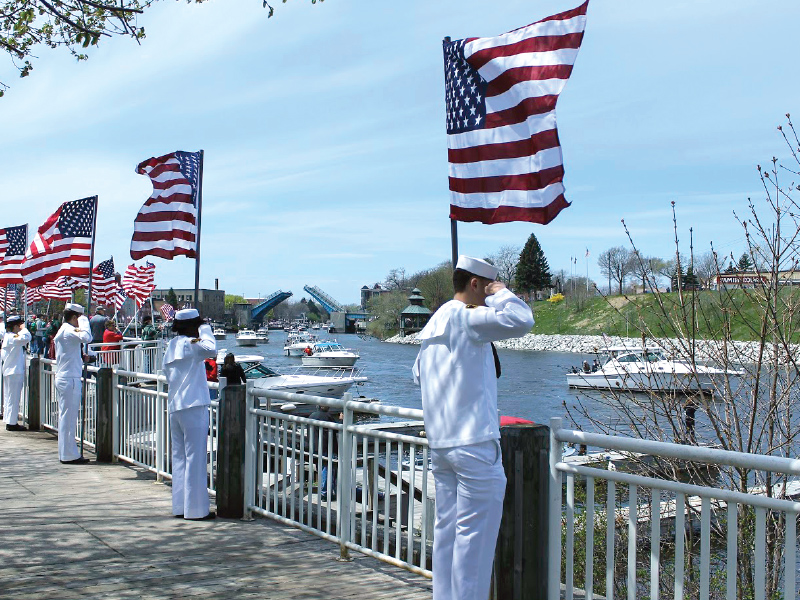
[
  {"x": 13, "y": 360},
  {"x": 69, "y": 365},
  {"x": 456, "y": 371},
  {"x": 189, "y": 399}
]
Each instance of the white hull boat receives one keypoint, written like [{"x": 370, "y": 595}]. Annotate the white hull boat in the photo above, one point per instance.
[
  {"x": 296, "y": 343},
  {"x": 219, "y": 333},
  {"x": 262, "y": 335},
  {"x": 645, "y": 370},
  {"x": 246, "y": 337},
  {"x": 329, "y": 354},
  {"x": 328, "y": 384}
]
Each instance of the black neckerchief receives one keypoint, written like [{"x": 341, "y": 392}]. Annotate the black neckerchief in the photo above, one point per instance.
[{"x": 498, "y": 371}]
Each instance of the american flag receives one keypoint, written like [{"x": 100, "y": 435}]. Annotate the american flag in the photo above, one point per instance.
[
  {"x": 33, "y": 295},
  {"x": 8, "y": 297},
  {"x": 166, "y": 225},
  {"x": 60, "y": 289},
  {"x": 167, "y": 311},
  {"x": 501, "y": 92},
  {"x": 117, "y": 298},
  {"x": 105, "y": 289},
  {"x": 139, "y": 282},
  {"x": 63, "y": 245},
  {"x": 12, "y": 251}
]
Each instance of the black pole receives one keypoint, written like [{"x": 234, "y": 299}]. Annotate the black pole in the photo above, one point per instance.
[
  {"x": 197, "y": 242},
  {"x": 453, "y": 222},
  {"x": 88, "y": 312}
]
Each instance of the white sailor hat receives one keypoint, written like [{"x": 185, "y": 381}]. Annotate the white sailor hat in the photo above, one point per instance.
[
  {"x": 186, "y": 314},
  {"x": 13, "y": 320},
  {"x": 478, "y": 267},
  {"x": 74, "y": 307}
]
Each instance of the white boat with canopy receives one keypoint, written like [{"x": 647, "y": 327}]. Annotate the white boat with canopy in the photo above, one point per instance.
[
  {"x": 645, "y": 368},
  {"x": 246, "y": 337},
  {"x": 329, "y": 354}
]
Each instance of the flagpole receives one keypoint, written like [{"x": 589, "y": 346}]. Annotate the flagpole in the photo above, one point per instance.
[
  {"x": 453, "y": 222},
  {"x": 587, "y": 270},
  {"x": 197, "y": 242},
  {"x": 88, "y": 312}
]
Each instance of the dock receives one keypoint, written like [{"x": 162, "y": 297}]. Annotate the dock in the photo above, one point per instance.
[{"x": 106, "y": 531}]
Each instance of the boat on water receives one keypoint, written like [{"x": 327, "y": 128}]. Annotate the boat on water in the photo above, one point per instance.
[
  {"x": 246, "y": 337},
  {"x": 329, "y": 354},
  {"x": 297, "y": 342},
  {"x": 328, "y": 383},
  {"x": 219, "y": 333},
  {"x": 262, "y": 333},
  {"x": 644, "y": 369}
]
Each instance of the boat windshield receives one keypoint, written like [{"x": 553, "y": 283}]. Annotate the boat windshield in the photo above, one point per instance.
[
  {"x": 629, "y": 358},
  {"x": 259, "y": 371},
  {"x": 654, "y": 355}
]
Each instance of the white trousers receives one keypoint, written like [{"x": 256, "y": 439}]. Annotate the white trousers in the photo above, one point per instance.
[
  {"x": 12, "y": 392},
  {"x": 69, "y": 404},
  {"x": 470, "y": 486},
  {"x": 189, "y": 435}
]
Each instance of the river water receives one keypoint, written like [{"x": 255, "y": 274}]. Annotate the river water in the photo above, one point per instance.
[{"x": 533, "y": 384}]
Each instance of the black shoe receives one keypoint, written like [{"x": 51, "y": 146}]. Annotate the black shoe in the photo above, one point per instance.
[
  {"x": 209, "y": 517},
  {"x": 178, "y": 516},
  {"x": 78, "y": 461},
  {"x": 16, "y": 427}
]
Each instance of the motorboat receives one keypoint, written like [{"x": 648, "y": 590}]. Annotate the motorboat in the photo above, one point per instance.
[
  {"x": 643, "y": 369},
  {"x": 262, "y": 333},
  {"x": 219, "y": 333},
  {"x": 329, "y": 354},
  {"x": 297, "y": 342},
  {"x": 328, "y": 383},
  {"x": 246, "y": 337}
]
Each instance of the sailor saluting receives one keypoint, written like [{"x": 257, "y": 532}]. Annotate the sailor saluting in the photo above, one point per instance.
[
  {"x": 188, "y": 400},
  {"x": 69, "y": 364},
  {"x": 13, "y": 361},
  {"x": 457, "y": 371}
]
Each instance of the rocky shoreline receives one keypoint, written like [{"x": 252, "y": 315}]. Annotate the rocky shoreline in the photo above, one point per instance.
[{"x": 592, "y": 344}]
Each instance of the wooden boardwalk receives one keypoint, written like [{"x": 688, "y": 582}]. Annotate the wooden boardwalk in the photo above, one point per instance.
[{"x": 106, "y": 531}]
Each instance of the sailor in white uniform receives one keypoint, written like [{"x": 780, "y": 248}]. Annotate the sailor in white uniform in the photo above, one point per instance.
[
  {"x": 188, "y": 402},
  {"x": 13, "y": 360},
  {"x": 457, "y": 370},
  {"x": 69, "y": 364}
]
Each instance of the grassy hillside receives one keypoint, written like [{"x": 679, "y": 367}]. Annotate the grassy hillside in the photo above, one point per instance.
[{"x": 618, "y": 315}]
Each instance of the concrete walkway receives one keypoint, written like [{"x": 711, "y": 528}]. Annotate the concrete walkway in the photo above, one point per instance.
[{"x": 106, "y": 531}]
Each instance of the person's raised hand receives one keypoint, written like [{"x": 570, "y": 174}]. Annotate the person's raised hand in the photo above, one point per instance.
[{"x": 495, "y": 287}]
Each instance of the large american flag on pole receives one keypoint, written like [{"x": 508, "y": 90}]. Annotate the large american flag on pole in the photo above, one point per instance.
[
  {"x": 60, "y": 289},
  {"x": 166, "y": 225},
  {"x": 139, "y": 282},
  {"x": 8, "y": 297},
  {"x": 105, "y": 289},
  {"x": 63, "y": 245},
  {"x": 13, "y": 241},
  {"x": 501, "y": 92}
]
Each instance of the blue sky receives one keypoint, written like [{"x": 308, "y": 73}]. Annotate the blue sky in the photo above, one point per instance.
[{"x": 324, "y": 133}]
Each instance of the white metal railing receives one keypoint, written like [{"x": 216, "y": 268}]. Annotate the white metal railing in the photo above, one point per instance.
[
  {"x": 49, "y": 401},
  {"x": 384, "y": 494},
  {"x": 670, "y": 502},
  {"x": 141, "y": 430},
  {"x": 137, "y": 356}
]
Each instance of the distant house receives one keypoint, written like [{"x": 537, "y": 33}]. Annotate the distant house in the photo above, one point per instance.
[{"x": 368, "y": 293}]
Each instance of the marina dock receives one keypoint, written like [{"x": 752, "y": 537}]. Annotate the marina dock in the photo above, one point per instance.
[{"x": 106, "y": 531}]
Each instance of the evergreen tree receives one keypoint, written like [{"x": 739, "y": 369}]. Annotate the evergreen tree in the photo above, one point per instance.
[
  {"x": 172, "y": 299},
  {"x": 731, "y": 268},
  {"x": 674, "y": 284},
  {"x": 690, "y": 281},
  {"x": 533, "y": 272},
  {"x": 745, "y": 263}
]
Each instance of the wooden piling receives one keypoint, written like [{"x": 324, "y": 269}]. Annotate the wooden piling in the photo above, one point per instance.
[
  {"x": 34, "y": 397},
  {"x": 521, "y": 554},
  {"x": 230, "y": 453},
  {"x": 104, "y": 441}
]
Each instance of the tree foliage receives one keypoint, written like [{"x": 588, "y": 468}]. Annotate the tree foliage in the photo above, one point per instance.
[
  {"x": 75, "y": 25},
  {"x": 506, "y": 260},
  {"x": 533, "y": 271},
  {"x": 616, "y": 263},
  {"x": 172, "y": 298}
]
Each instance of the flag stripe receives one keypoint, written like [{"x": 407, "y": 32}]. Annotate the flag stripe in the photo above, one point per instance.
[
  {"x": 526, "y": 181},
  {"x": 540, "y": 161},
  {"x": 506, "y": 214},
  {"x": 532, "y": 45},
  {"x": 511, "y": 77},
  {"x": 525, "y": 147}
]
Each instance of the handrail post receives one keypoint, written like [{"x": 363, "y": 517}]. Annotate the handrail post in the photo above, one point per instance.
[
  {"x": 34, "y": 393},
  {"x": 251, "y": 455},
  {"x": 115, "y": 418},
  {"x": 161, "y": 416},
  {"x": 554, "y": 515},
  {"x": 104, "y": 435},
  {"x": 344, "y": 491}
]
